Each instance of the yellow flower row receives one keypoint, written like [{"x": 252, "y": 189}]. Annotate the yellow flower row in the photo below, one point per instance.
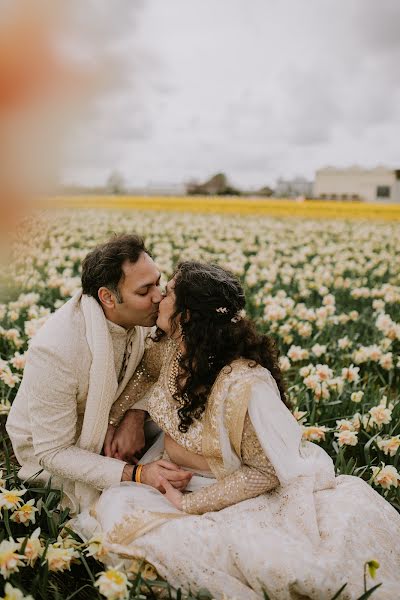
[{"x": 284, "y": 207}]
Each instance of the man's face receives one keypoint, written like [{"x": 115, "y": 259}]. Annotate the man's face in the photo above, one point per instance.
[{"x": 140, "y": 293}]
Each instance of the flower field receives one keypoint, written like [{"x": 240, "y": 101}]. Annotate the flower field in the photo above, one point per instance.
[
  {"x": 278, "y": 207},
  {"x": 327, "y": 290}
]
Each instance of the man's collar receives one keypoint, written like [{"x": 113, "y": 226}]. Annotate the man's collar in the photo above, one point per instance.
[{"x": 116, "y": 329}]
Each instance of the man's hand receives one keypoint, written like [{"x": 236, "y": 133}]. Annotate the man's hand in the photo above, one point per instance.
[
  {"x": 108, "y": 439},
  {"x": 156, "y": 472},
  {"x": 128, "y": 438},
  {"x": 127, "y": 473}
]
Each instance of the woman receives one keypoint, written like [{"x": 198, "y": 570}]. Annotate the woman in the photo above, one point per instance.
[{"x": 263, "y": 510}]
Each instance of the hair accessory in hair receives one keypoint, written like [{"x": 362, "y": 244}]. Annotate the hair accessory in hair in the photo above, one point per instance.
[
  {"x": 238, "y": 316},
  {"x": 221, "y": 309}
]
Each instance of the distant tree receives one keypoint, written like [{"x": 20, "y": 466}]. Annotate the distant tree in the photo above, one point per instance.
[
  {"x": 217, "y": 185},
  {"x": 115, "y": 183},
  {"x": 266, "y": 191},
  {"x": 192, "y": 186},
  {"x": 229, "y": 191}
]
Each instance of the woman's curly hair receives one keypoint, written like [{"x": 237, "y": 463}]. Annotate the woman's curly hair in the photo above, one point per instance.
[{"x": 207, "y": 300}]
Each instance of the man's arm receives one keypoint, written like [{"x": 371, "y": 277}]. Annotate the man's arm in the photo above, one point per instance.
[
  {"x": 125, "y": 434},
  {"x": 52, "y": 384},
  {"x": 128, "y": 439}
]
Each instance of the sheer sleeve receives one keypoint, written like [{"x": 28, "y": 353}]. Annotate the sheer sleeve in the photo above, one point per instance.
[
  {"x": 256, "y": 476},
  {"x": 144, "y": 377}
]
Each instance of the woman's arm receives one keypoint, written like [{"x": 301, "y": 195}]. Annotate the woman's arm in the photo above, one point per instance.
[{"x": 256, "y": 476}]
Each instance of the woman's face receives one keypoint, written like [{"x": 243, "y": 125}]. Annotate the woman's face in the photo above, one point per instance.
[{"x": 166, "y": 308}]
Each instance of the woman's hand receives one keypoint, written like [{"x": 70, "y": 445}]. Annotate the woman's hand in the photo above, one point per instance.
[
  {"x": 173, "y": 495},
  {"x": 155, "y": 472}
]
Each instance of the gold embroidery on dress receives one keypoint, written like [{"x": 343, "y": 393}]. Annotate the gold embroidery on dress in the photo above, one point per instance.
[
  {"x": 236, "y": 406},
  {"x": 223, "y": 408},
  {"x": 163, "y": 409},
  {"x": 227, "y": 407},
  {"x": 212, "y": 417},
  {"x": 252, "y": 453},
  {"x": 143, "y": 379},
  {"x": 137, "y": 524},
  {"x": 256, "y": 476}
]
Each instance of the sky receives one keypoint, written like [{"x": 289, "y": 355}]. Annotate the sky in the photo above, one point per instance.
[{"x": 258, "y": 90}]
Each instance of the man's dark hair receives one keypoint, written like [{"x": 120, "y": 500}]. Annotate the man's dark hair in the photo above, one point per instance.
[{"x": 102, "y": 267}]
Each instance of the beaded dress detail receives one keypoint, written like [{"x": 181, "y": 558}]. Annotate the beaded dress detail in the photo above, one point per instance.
[
  {"x": 274, "y": 520},
  {"x": 255, "y": 476}
]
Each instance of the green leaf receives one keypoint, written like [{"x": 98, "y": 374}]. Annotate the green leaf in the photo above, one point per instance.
[
  {"x": 7, "y": 522},
  {"x": 87, "y": 585},
  {"x": 367, "y": 447},
  {"x": 85, "y": 564},
  {"x": 339, "y": 592},
  {"x": 369, "y": 592},
  {"x": 53, "y": 528},
  {"x": 74, "y": 535}
]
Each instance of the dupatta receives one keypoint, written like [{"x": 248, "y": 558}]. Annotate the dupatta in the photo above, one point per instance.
[{"x": 242, "y": 388}]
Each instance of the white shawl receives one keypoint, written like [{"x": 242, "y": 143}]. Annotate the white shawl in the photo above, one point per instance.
[
  {"x": 103, "y": 385},
  {"x": 255, "y": 390}
]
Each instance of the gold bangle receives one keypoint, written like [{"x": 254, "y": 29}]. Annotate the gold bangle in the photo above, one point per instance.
[{"x": 138, "y": 473}]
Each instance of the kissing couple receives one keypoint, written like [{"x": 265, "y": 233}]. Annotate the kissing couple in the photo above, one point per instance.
[{"x": 226, "y": 496}]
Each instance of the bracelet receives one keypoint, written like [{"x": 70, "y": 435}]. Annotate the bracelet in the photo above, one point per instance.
[
  {"x": 138, "y": 473},
  {"x": 133, "y": 478}
]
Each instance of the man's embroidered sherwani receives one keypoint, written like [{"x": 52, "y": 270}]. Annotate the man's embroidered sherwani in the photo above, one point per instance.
[{"x": 59, "y": 417}]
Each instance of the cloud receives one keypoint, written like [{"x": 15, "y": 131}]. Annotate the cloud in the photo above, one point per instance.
[
  {"x": 257, "y": 89},
  {"x": 378, "y": 26}
]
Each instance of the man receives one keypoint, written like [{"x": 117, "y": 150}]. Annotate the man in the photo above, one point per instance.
[{"x": 77, "y": 366}]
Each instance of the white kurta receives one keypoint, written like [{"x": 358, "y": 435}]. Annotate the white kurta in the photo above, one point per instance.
[{"x": 59, "y": 417}]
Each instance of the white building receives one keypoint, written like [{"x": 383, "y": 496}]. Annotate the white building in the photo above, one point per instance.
[
  {"x": 287, "y": 188},
  {"x": 371, "y": 185}
]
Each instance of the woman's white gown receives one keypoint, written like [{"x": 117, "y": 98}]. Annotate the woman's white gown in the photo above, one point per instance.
[{"x": 303, "y": 539}]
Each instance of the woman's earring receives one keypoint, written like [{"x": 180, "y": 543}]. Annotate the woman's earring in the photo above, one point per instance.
[{"x": 181, "y": 333}]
